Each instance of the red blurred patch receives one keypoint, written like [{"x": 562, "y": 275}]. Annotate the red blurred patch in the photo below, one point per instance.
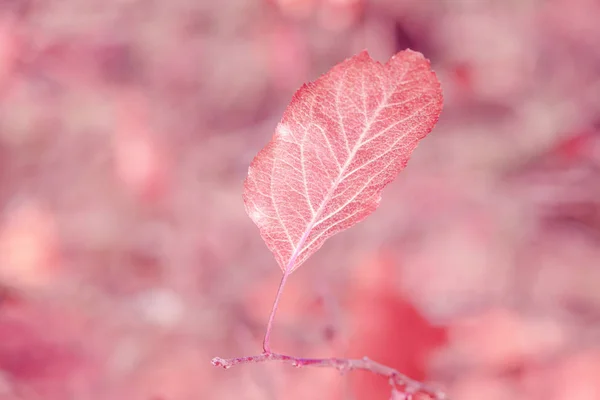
[
  {"x": 388, "y": 329},
  {"x": 576, "y": 147},
  {"x": 41, "y": 351},
  {"x": 463, "y": 76}
]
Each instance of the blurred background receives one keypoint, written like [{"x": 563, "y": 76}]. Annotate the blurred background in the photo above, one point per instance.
[{"x": 127, "y": 261}]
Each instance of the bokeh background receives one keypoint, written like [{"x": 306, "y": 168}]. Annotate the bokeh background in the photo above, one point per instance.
[{"x": 127, "y": 261}]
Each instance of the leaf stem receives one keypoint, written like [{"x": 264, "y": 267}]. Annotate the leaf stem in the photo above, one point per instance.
[
  {"x": 397, "y": 380},
  {"x": 266, "y": 342}
]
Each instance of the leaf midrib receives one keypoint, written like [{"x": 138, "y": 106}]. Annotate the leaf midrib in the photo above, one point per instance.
[{"x": 334, "y": 186}]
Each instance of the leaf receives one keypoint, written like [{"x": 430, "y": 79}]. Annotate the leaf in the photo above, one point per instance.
[{"x": 341, "y": 140}]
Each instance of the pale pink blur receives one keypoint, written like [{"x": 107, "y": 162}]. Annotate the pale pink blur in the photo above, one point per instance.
[{"x": 127, "y": 261}]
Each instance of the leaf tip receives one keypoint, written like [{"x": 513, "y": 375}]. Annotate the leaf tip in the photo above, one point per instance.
[
  {"x": 416, "y": 58},
  {"x": 364, "y": 53}
]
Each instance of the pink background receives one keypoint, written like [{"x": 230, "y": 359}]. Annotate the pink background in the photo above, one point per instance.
[{"x": 127, "y": 261}]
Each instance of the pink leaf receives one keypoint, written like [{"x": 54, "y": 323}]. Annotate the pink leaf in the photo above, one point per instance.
[{"x": 342, "y": 139}]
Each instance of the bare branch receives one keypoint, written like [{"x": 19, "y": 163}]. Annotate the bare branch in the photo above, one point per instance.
[{"x": 397, "y": 380}]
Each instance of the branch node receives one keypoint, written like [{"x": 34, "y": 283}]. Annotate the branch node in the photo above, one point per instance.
[{"x": 219, "y": 362}]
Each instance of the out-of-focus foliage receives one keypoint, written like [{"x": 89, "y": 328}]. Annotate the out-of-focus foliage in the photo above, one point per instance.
[{"x": 127, "y": 261}]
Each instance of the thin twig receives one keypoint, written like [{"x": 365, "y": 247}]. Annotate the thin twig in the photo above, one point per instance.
[{"x": 397, "y": 380}]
